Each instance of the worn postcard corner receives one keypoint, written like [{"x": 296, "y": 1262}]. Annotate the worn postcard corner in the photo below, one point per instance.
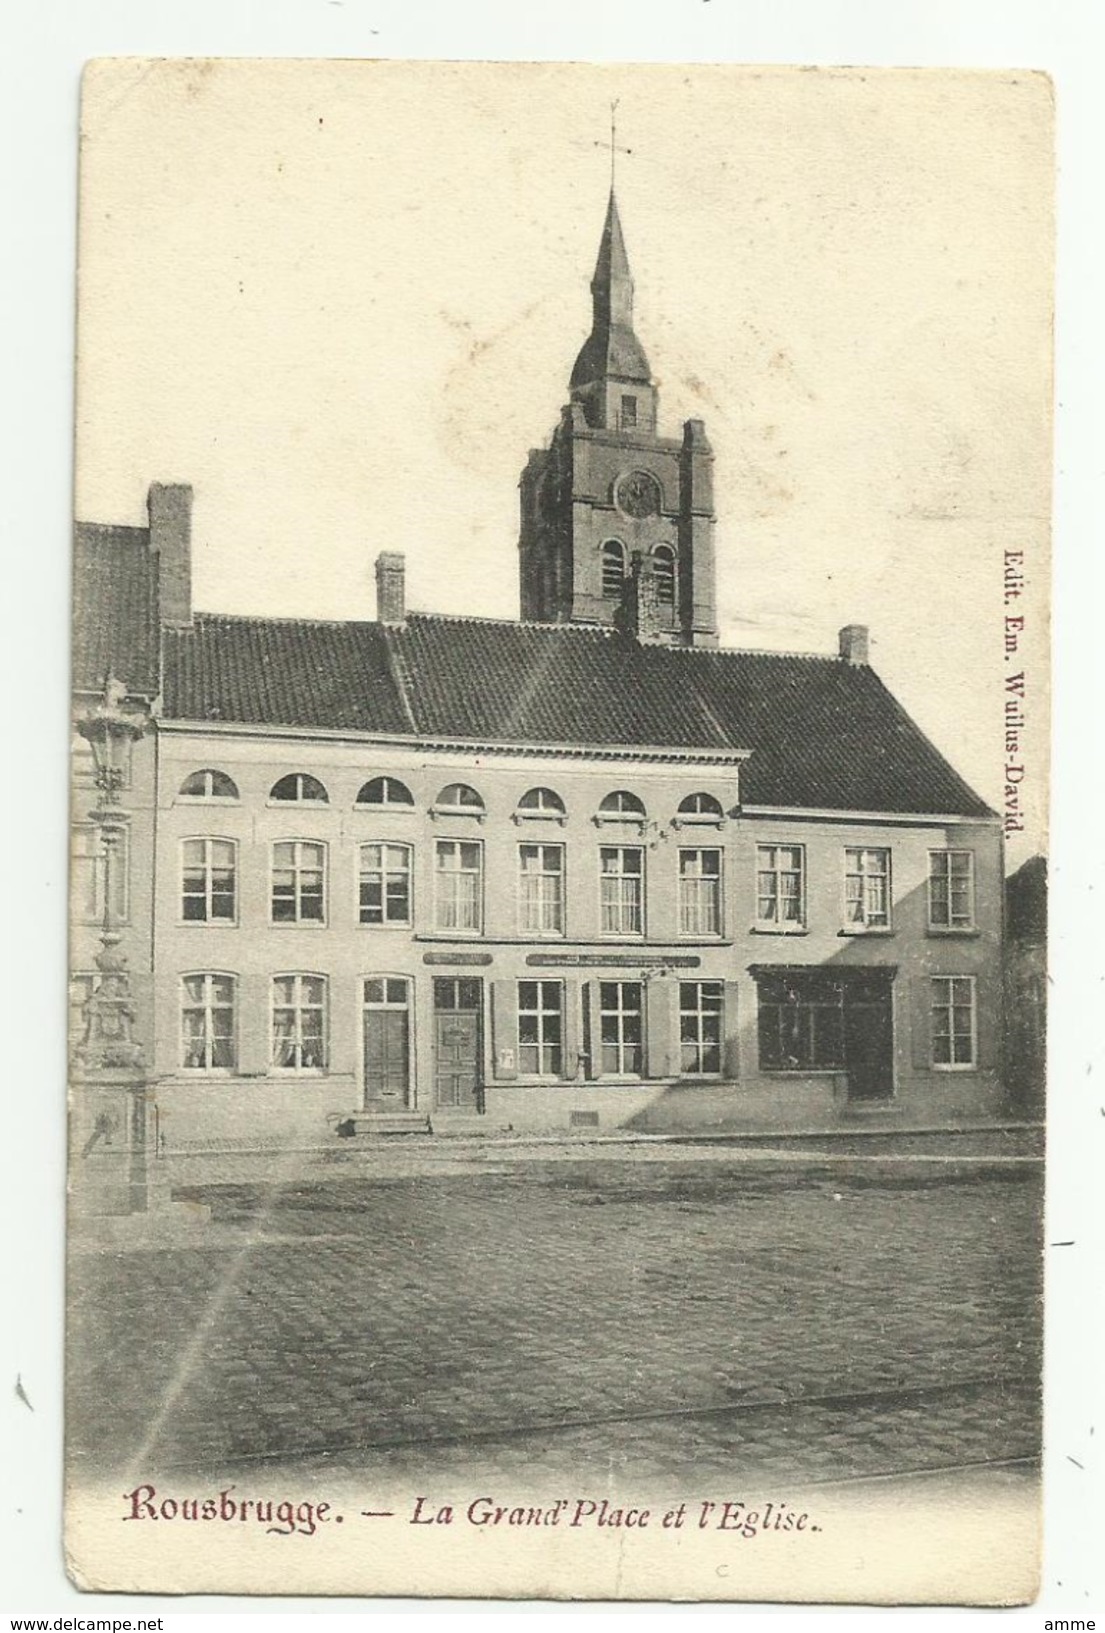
[{"x": 559, "y": 815}]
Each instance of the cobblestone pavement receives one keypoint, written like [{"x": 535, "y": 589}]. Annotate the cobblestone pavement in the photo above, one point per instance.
[{"x": 823, "y": 1320}]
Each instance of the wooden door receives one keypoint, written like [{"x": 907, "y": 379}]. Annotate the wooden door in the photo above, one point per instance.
[
  {"x": 387, "y": 1053},
  {"x": 456, "y": 1040},
  {"x": 869, "y": 1040}
]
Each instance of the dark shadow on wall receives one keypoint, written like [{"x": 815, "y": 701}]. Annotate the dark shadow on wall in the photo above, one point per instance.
[{"x": 1026, "y": 985}]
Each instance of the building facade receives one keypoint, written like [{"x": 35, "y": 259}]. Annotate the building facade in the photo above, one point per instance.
[{"x": 586, "y": 870}]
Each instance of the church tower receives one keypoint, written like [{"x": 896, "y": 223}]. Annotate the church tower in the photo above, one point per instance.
[{"x": 617, "y": 522}]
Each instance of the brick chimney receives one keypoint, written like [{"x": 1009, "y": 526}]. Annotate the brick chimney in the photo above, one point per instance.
[
  {"x": 853, "y": 643},
  {"x": 639, "y": 613},
  {"x": 391, "y": 599},
  {"x": 169, "y": 505}
]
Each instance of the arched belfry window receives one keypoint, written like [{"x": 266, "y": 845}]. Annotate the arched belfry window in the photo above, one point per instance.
[
  {"x": 613, "y": 569},
  {"x": 299, "y": 788},
  {"x": 663, "y": 563}
]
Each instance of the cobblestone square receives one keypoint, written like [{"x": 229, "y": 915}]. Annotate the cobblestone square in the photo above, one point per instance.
[{"x": 656, "y": 1315}]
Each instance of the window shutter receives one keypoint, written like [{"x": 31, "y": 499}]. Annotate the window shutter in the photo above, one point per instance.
[
  {"x": 920, "y": 1023},
  {"x": 592, "y": 1029},
  {"x": 504, "y": 1031},
  {"x": 987, "y": 1015},
  {"x": 731, "y": 1054},
  {"x": 573, "y": 1035},
  {"x": 660, "y": 1060}
]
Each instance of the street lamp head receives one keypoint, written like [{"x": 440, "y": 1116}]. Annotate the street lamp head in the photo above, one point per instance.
[{"x": 110, "y": 729}]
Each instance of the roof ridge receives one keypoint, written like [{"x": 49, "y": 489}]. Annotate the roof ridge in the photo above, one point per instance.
[
  {"x": 607, "y": 633},
  {"x": 601, "y": 632},
  {"x": 766, "y": 652},
  {"x": 285, "y": 618},
  {"x": 514, "y": 623}
]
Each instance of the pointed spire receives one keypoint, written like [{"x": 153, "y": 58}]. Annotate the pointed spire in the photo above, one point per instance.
[
  {"x": 612, "y": 353},
  {"x": 613, "y": 262}
]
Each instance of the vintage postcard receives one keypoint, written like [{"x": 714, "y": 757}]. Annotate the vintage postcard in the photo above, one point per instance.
[{"x": 560, "y": 743}]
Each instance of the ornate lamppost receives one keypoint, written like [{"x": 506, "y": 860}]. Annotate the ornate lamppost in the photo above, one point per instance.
[{"x": 112, "y": 1115}]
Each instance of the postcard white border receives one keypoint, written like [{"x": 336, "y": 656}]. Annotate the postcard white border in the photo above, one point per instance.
[{"x": 48, "y": 44}]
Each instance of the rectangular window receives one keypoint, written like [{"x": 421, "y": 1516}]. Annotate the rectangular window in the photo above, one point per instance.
[
  {"x": 541, "y": 889},
  {"x": 951, "y": 890},
  {"x": 207, "y": 1028},
  {"x": 867, "y": 889},
  {"x": 700, "y": 893},
  {"x": 459, "y": 885},
  {"x": 299, "y": 1023},
  {"x": 457, "y": 994},
  {"x": 621, "y": 1028},
  {"x": 801, "y": 1022},
  {"x": 382, "y": 992},
  {"x": 88, "y": 874},
  {"x": 780, "y": 887},
  {"x": 701, "y": 1016},
  {"x": 298, "y": 882},
  {"x": 622, "y": 874},
  {"x": 541, "y": 1028},
  {"x": 954, "y": 1042},
  {"x": 207, "y": 880},
  {"x": 629, "y": 413},
  {"x": 385, "y": 884}
]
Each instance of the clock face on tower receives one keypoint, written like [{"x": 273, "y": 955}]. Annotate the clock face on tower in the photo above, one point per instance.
[{"x": 637, "y": 495}]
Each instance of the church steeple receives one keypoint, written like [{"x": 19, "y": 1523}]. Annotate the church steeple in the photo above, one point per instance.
[
  {"x": 612, "y": 284},
  {"x": 617, "y": 524},
  {"x": 611, "y": 377}
]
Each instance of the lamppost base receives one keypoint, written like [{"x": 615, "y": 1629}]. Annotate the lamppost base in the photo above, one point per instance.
[{"x": 114, "y": 1169}]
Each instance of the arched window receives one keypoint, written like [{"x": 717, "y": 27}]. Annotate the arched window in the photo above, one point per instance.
[
  {"x": 299, "y": 1023},
  {"x": 621, "y": 804},
  {"x": 613, "y": 568},
  {"x": 385, "y": 791},
  {"x": 541, "y": 802},
  {"x": 700, "y": 805},
  {"x": 298, "y": 787},
  {"x": 663, "y": 562},
  {"x": 208, "y": 785},
  {"x": 208, "y": 1022},
  {"x": 458, "y": 796}
]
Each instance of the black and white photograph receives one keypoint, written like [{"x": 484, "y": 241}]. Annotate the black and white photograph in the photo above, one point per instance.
[{"x": 559, "y": 812}]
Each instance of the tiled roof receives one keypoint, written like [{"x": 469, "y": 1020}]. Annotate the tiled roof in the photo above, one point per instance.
[
  {"x": 823, "y": 734},
  {"x": 114, "y": 609},
  {"x": 282, "y": 672},
  {"x": 546, "y": 683}
]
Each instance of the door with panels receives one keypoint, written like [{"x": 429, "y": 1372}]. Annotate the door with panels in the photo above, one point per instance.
[
  {"x": 458, "y": 1010},
  {"x": 387, "y": 1043}
]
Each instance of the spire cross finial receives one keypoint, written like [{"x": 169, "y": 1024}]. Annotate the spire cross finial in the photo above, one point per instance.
[{"x": 614, "y": 148}]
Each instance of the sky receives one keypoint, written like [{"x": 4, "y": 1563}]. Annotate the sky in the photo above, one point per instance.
[{"x": 342, "y": 300}]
